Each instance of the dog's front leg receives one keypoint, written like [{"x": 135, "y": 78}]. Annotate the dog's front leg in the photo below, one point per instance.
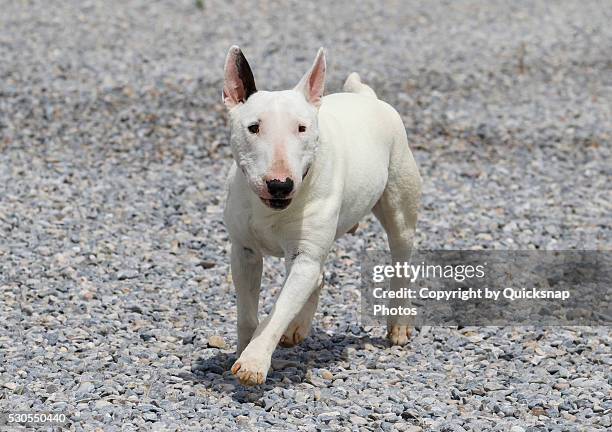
[
  {"x": 246, "y": 273},
  {"x": 252, "y": 366}
]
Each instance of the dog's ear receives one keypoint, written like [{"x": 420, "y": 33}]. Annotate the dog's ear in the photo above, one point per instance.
[
  {"x": 313, "y": 83},
  {"x": 239, "y": 83}
]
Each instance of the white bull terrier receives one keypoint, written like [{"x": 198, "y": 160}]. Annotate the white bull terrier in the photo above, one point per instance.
[{"x": 308, "y": 169}]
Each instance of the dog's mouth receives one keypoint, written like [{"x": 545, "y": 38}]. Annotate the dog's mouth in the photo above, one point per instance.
[{"x": 277, "y": 203}]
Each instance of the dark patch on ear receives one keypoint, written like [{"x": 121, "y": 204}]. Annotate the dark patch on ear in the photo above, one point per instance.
[
  {"x": 295, "y": 254},
  {"x": 246, "y": 75}
]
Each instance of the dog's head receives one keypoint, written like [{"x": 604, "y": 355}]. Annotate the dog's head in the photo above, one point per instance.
[{"x": 274, "y": 134}]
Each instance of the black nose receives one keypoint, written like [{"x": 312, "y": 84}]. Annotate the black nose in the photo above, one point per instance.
[{"x": 280, "y": 189}]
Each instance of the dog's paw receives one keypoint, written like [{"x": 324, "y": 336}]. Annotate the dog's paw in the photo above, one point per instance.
[
  {"x": 399, "y": 334},
  {"x": 295, "y": 334},
  {"x": 251, "y": 371}
]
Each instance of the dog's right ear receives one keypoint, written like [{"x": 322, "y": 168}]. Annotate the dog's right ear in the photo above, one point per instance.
[
  {"x": 239, "y": 83},
  {"x": 313, "y": 83}
]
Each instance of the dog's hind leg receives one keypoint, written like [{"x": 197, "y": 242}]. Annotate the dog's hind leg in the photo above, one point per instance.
[
  {"x": 397, "y": 211},
  {"x": 299, "y": 329}
]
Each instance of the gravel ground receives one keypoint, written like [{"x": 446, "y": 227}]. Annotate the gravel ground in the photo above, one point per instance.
[{"x": 116, "y": 298}]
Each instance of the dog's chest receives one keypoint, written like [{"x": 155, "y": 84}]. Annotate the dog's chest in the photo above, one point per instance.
[{"x": 268, "y": 234}]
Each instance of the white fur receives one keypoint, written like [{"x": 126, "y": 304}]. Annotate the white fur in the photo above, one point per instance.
[
  {"x": 279, "y": 114},
  {"x": 360, "y": 163}
]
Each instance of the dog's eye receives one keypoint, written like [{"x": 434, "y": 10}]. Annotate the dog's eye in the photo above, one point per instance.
[
  {"x": 302, "y": 128},
  {"x": 254, "y": 128}
]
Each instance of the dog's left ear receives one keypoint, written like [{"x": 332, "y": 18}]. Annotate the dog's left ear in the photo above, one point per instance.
[
  {"x": 239, "y": 83},
  {"x": 313, "y": 83}
]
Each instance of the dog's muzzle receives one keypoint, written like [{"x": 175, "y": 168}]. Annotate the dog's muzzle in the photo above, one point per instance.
[{"x": 277, "y": 203}]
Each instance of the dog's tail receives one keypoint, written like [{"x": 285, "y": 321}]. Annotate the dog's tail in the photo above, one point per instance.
[{"x": 353, "y": 84}]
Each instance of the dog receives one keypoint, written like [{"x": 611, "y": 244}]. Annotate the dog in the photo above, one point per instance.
[{"x": 307, "y": 168}]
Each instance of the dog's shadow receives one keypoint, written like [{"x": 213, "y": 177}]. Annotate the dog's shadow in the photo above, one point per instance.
[{"x": 290, "y": 366}]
